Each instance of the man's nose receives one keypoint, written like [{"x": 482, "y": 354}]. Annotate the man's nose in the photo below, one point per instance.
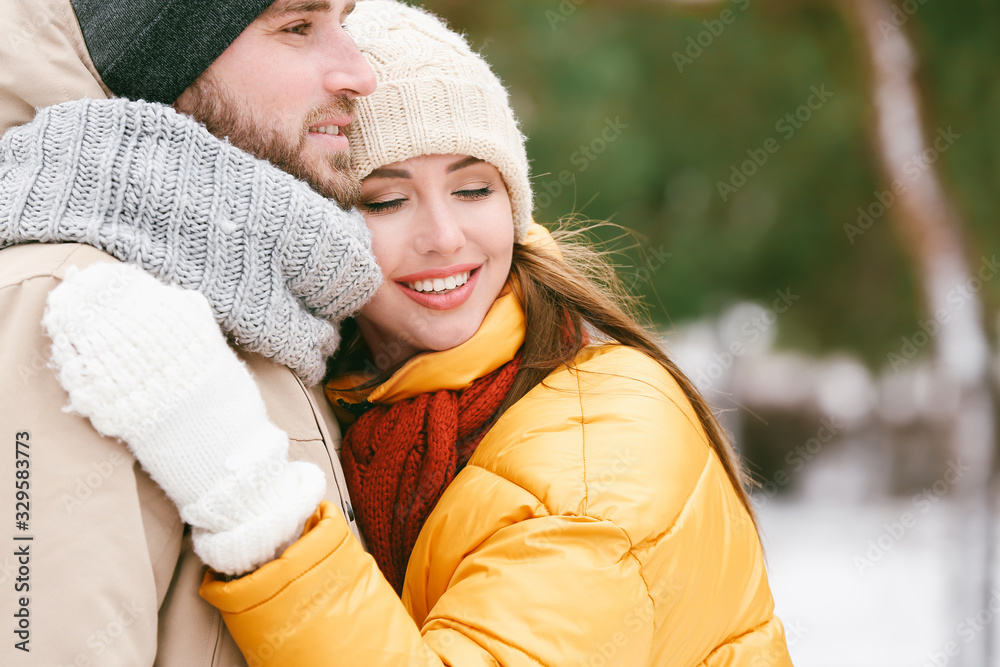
[{"x": 348, "y": 74}]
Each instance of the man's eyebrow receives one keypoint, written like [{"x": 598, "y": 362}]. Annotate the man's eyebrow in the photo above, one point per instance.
[
  {"x": 279, "y": 9},
  {"x": 463, "y": 163},
  {"x": 385, "y": 172}
]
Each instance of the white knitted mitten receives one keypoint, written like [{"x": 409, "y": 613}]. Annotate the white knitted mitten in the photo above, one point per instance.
[{"x": 147, "y": 363}]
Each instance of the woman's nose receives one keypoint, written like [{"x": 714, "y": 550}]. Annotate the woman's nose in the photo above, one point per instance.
[{"x": 440, "y": 231}]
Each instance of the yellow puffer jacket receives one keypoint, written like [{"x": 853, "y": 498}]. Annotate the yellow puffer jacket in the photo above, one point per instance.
[{"x": 593, "y": 526}]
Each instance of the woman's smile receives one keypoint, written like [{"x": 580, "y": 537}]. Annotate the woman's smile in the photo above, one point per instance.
[
  {"x": 441, "y": 289},
  {"x": 442, "y": 231}
]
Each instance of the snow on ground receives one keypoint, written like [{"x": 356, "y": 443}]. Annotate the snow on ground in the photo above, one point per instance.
[{"x": 839, "y": 611}]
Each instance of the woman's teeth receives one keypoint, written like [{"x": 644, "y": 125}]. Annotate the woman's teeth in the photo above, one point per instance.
[
  {"x": 326, "y": 129},
  {"x": 440, "y": 284}
]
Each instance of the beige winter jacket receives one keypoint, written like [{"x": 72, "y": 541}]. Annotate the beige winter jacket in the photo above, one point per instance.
[
  {"x": 102, "y": 572},
  {"x": 43, "y": 59}
]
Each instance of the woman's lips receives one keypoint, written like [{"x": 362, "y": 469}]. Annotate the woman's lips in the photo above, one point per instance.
[
  {"x": 444, "y": 300},
  {"x": 443, "y": 272}
]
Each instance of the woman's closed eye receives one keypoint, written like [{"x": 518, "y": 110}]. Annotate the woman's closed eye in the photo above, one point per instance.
[
  {"x": 474, "y": 194},
  {"x": 385, "y": 206},
  {"x": 393, "y": 205}
]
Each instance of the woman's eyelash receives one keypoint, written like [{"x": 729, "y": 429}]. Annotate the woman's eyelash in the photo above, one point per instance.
[
  {"x": 479, "y": 193},
  {"x": 383, "y": 206},
  {"x": 391, "y": 205}
]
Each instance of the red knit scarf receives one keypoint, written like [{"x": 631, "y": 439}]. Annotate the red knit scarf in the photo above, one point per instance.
[{"x": 399, "y": 459}]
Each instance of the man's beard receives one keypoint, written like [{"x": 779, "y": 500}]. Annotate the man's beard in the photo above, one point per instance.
[{"x": 211, "y": 103}]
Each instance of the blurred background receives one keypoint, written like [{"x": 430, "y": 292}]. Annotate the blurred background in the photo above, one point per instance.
[{"x": 808, "y": 190}]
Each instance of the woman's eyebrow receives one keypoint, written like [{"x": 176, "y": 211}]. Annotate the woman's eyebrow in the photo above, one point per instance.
[
  {"x": 386, "y": 172},
  {"x": 463, "y": 163}
]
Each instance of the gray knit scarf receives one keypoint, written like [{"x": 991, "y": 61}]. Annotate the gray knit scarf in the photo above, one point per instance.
[{"x": 279, "y": 263}]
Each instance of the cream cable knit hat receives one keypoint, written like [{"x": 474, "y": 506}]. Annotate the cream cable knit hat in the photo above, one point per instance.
[{"x": 435, "y": 96}]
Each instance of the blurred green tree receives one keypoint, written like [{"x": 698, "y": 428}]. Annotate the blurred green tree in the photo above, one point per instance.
[{"x": 736, "y": 138}]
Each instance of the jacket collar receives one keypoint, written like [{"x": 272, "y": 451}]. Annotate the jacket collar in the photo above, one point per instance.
[{"x": 495, "y": 343}]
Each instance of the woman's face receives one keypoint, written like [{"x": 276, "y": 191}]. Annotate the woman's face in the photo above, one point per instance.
[{"x": 443, "y": 233}]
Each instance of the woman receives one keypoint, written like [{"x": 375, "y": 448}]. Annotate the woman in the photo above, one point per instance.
[{"x": 537, "y": 482}]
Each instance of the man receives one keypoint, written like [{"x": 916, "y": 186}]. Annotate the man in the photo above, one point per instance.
[{"x": 97, "y": 567}]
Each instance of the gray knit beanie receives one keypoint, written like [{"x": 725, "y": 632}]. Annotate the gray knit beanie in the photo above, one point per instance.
[
  {"x": 154, "y": 49},
  {"x": 435, "y": 96}
]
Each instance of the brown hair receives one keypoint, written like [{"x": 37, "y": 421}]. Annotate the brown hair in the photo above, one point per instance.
[
  {"x": 574, "y": 290},
  {"x": 569, "y": 292}
]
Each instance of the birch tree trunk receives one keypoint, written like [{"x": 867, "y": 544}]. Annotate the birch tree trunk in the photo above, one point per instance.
[{"x": 931, "y": 233}]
